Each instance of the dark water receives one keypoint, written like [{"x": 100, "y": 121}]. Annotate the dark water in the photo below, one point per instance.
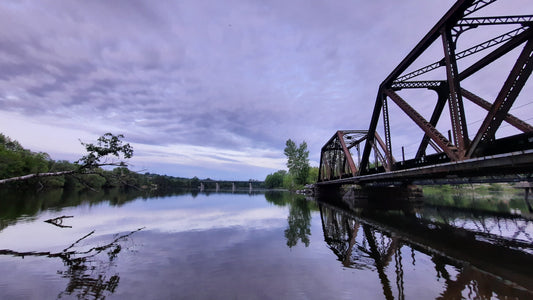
[{"x": 118, "y": 245}]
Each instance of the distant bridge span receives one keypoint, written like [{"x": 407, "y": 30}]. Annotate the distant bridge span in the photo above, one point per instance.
[{"x": 459, "y": 151}]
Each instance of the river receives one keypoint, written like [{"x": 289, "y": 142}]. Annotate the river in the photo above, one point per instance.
[{"x": 270, "y": 245}]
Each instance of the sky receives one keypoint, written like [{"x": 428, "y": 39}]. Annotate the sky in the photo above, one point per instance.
[{"x": 205, "y": 88}]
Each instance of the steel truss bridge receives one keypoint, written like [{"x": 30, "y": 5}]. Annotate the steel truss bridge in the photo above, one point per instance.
[{"x": 458, "y": 151}]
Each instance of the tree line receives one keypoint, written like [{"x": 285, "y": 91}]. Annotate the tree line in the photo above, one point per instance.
[{"x": 21, "y": 167}]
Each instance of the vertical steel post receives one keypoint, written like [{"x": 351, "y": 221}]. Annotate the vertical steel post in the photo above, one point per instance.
[
  {"x": 371, "y": 132},
  {"x": 457, "y": 113},
  {"x": 386, "y": 129}
]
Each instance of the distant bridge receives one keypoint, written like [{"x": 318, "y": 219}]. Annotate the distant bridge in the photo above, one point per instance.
[
  {"x": 234, "y": 186},
  {"x": 454, "y": 156}
]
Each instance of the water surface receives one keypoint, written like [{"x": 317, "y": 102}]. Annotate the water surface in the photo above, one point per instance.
[{"x": 117, "y": 245}]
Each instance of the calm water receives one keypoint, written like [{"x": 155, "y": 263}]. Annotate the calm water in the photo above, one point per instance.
[{"x": 116, "y": 245}]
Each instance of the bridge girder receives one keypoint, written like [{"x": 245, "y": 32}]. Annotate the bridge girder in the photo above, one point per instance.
[{"x": 458, "y": 146}]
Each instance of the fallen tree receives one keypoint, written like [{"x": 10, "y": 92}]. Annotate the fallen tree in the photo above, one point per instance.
[{"x": 107, "y": 151}]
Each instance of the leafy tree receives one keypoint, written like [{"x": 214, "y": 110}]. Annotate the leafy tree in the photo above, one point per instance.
[
  {"x": 195, "y": 182},
  {"x": 297, "y": 161},
  {"x": 99, "y": 155},
  {"x": 313, "y": 175},
  {"x": 275, "y": 180},
  {"x": 289, "y": 182},
  {"x": 16, "y": 161}
]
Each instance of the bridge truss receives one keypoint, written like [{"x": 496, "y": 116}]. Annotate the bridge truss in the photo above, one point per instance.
[{"x": 457, "y": 148}]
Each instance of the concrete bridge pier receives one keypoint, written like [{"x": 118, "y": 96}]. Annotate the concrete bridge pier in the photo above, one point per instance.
[
  {"x": 233, "y": 187},
  {"x": 217, "y": 187},
  {"x": 379, "y": 197}
]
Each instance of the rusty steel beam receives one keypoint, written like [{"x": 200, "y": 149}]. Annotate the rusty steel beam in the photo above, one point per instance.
[
  {"x": 448, "y": 20},
  {"x": 429, "y": 129},
  {"x": 336, "y": 160},
  {"x": 455, "y": 99},
  {"x": 347, "y": 153},
  {"x": 477, "y": 5},
  {"x": 505, "y": 99},
  {"x": 388, "y": 143},
  {"x": 491, "y": 43},
  {"x": 427, "y": 84},
  {"x": 465, "y": 53},
  {"x": 387, "y": 160},
  {"x": 496, "y": 54},
  {"x": 500, "y": 20},
  {"x": 514, "y": 121},
  {"x": 371, "y": 131}
]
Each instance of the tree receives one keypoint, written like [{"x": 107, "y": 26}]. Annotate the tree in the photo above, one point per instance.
[
  {"x": 313, "y": 175},
  {"x": 106, "y": 152},
  {"x": 297, "y": 161},
  {"x": 275, "y": 180},
  {"x": 15, "y": 160}
]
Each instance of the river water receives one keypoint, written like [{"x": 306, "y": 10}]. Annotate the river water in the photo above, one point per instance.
[{"x": 272, "y": 245}]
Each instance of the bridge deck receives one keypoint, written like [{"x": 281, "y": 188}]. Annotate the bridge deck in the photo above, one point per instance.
[{"x": 514, "y": 166}]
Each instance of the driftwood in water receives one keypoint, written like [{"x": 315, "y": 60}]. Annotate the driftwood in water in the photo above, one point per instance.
[{"x": 59, "y": 221}]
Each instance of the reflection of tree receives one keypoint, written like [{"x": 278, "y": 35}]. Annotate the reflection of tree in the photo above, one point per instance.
[
  {"x": 299, "y": 223},
  {"x": 87, "y": 270},
  {"x": 278, "y": 198},
  {"x": 17, "y": 203}
]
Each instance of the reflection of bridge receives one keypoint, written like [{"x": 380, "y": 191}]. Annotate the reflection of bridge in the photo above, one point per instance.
[
  {"x": 469, "y": 152},
  {"x": 487, "y": 264}
]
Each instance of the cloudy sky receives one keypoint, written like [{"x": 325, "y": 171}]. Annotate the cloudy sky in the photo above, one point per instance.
[{"x": 201, "y": 88}]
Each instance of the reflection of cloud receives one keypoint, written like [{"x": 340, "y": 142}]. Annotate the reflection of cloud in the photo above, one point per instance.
[
  {"x": 105, "y": 220},
  {"x": 180, "y": 220}
]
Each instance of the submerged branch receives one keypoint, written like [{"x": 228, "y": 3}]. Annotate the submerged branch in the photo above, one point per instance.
[
  {"x": 65, "y": 254},
  {"x": 59, "y": 221}
]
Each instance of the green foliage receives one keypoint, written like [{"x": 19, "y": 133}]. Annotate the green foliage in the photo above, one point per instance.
[
  {"x": 107, "y": 145},
  {"x": 289, "y": 183},
  {"x": 300, "y": 172},
  {"x": 299, "y": 220},
  {"x": 297, "y": 161},
  {"x": 275, "y": 180},
  {"x": 94, "y": 181},
  {"x": 495, "y": 187},
  {"x": 17, "y": 161},
  {"x": 313, "y": 175}
]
